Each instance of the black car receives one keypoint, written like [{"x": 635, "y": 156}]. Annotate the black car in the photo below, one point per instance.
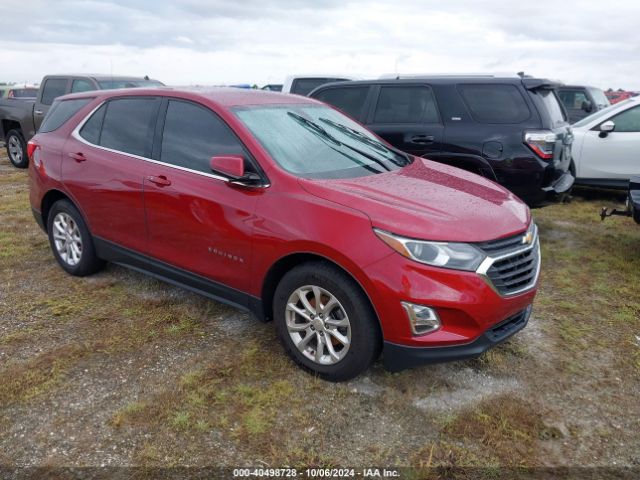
[
  {"x": 511, "y": 130},
  {"x": 581, "y": 101}
]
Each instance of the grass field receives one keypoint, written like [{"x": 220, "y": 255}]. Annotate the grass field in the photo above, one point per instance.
[{"x": 120, "y": 369}]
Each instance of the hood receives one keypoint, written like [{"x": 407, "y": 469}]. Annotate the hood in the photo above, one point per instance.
[{"x": 429, "y": 201}]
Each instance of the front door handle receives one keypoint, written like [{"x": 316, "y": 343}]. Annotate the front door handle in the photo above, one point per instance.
[
  {"x": 160, "y": 180},
  {"x": 422, "y": 139},
  {"x": 78, "y": 157},
  {"x": 38, "y": 112}
]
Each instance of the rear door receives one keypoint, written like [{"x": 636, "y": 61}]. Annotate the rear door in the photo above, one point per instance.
[
  {"x": 104, "y": 163},
  {"x": 615, "y": 156},
  {"x": 407, "y": 117},
  {"x": 52, "y": 88},
  {"x": 198, "y": 221}
]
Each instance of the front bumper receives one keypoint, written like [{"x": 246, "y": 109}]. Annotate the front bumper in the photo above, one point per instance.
[{"x": 400, "y": 357}]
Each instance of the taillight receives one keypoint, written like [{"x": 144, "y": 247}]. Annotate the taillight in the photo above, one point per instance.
[
  {"x": 542, "y": 143},
  {"x": 31, "y": 148}
]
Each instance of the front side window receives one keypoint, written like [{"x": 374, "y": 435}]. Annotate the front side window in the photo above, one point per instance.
[
  {"x": 128, "y": 125},
  {"x": 628, "y": 121},
  {"x": 349, "y": 100},
  {"x": 60, "y": 112},
  {"x": 572, "y": 99},
  {"x": 315, "y": 141},
  {"x": 495, "y": 103},
  {"x": 193, "y": 134},
  {"x": 82, "y": 86},
  {"x": 410, "y": 104},
  {"x": 52, "y": 89}
]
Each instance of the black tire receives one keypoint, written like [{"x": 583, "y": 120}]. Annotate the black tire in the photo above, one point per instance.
[
  {"x": 23, "y": 160},
  {"x": 88, "y": 262},
  {"x": 366, "y": 338}
]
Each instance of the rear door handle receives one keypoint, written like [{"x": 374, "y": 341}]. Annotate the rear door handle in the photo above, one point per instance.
[
  {"x": 422, "y": 139},
  {"x": 160, "y": 180},
  {"x": 38, "y": 112},
  {"x": 78, "y": 157}
]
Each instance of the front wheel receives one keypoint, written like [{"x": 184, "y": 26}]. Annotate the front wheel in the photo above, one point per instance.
[
  {"x": 325, "y": 321},
  {"x": 17, "y": 149}
]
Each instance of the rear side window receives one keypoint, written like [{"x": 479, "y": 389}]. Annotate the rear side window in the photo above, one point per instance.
[
  {"x": 82, "y": 86},
  {"x": 60, "y": 112},
  {"x": 193, "y": 134},
  {"x": 128, "y": 125},
  {"x": 495, "y": 103},
  {"x": 628, "y": 121},
  {"x": 411, "y": 104},
  {"x": 52, "y": 89},
  {"x": 349, "y": 100},
  {"x": 304, "y": 86},
  {"x": 90, "y": 131}
]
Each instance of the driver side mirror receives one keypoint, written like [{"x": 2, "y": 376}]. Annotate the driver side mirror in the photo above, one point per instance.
[
  {"x": 606, "y": 127},
  {"x": 587, "y": 106},
  {"x": 232, "y": 167}
]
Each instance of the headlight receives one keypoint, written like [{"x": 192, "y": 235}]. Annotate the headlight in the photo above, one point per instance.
[{"x": 458, "y": 256}]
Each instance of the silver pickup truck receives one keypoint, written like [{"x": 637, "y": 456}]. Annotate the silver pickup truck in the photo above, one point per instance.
[{"x": 20, "y": 118}]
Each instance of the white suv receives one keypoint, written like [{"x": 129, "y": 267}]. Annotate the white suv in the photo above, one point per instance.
[{"x": 606, "y": 148}]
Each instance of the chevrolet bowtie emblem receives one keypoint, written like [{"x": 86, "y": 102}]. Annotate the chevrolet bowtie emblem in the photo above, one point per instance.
[{"x": 528, "y": 238}]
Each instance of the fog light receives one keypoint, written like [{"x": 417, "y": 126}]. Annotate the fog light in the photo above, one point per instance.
[{"x": 422, "y": 319}]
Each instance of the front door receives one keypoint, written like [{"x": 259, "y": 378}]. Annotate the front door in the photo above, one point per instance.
[
  {"x": 197, "y": 221},
  {"x": 614, "y": 156}
]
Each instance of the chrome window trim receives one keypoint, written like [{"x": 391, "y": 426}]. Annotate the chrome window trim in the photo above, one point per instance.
[
  {"x": 76, "y": 134},
  {"x": 488, "y": 262}
]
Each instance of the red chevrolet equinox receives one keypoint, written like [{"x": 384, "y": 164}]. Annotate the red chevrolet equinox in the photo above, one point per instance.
[{"x": 282, "y": 206}]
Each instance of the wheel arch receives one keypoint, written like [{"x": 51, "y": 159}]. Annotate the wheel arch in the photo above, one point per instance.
[
  {"x": 290, "y": 261},
  {"x": 8, "y": 125},
  {"x": 51, "y": 197}
]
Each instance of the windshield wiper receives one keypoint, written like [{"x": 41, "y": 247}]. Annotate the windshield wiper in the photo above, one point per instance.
[
  {"x": 318, "y": 130},
  {"x": 355, "y": 134}
]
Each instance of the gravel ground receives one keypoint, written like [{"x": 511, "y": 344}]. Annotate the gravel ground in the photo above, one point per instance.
[{"x": 121, "y": 370}]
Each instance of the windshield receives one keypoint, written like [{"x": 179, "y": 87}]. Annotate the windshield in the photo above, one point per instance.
[
  {"x": 117, "y": 84},
  {"x": 315, "y": 141},
  {"x": 601, "y": 113}
]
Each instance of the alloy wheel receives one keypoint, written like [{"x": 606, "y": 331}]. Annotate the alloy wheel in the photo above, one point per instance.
[
  {"x": 318, "y": 325},
  {"x": 15, "y": 149},
  {"x": 67, "y": 239}
]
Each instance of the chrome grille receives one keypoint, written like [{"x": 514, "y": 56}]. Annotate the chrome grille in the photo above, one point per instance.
[{"x": 512, "y": 266}]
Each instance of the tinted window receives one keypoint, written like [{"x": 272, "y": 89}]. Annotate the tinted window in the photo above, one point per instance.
[
  {"x": 53, "y": 88},
  {"x": 304, "y": 86},
  {"x": 193, "y": 134},
  {"x": 551, "y": 104},
  {"x": 349, "y": 100},
  {"x": 82, "y": 86},
  {"x": 60, "y": 112},
  {"x": 495, "y": 103},
  {"x": 23, "y": 93},
  {"x": 628, "y": 121},
  {"x": 572, "y": 99},
  {"x": 90, "y": 131},
  {"x": 413, "y": 104},
  {"x": 116, "y": 84},
  {"x": 128, "y": 125}
]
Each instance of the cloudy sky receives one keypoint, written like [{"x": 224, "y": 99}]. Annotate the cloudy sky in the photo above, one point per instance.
[{"x": 248, "y": 41}]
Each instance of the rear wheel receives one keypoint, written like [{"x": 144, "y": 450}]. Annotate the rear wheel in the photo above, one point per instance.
[
  {"x": 325, "y": 321},
  {"x": 17, "y": 149},
  {"x": 71, "y": 241}
]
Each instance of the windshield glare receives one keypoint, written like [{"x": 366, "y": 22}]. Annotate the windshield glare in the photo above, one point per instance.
[{"x": 316, "y": 141}]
